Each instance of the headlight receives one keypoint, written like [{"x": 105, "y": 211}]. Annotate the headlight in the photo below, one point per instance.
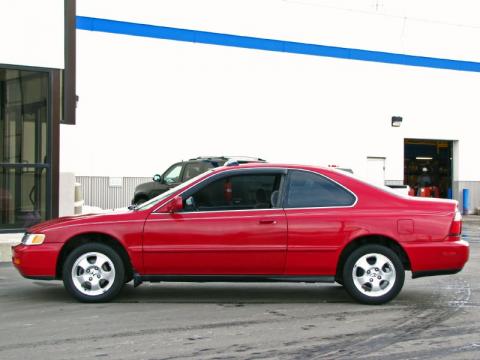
[{"x": 33, "y": 239}]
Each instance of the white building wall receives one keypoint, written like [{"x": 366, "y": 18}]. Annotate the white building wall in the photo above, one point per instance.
[
  {"x": 146, "y": 103},
  {"x": 32, "y": 33}
]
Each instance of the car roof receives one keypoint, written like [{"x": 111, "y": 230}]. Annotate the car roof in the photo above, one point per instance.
[
  {"x": 227, "y": 157},
  {"x": 254, "y": 165}
]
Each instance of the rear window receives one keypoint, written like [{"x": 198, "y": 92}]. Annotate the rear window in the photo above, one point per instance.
[{"x": 308, "y": 189}]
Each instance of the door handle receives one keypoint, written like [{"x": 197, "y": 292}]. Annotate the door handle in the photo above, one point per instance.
[{"x": 264, "y": 222}]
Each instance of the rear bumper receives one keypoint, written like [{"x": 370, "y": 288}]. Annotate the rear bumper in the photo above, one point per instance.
[
  {"x": 36, "y": 262},
  {"x": 437, "y": 258}
]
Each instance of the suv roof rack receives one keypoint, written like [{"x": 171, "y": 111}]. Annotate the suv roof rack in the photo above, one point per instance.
[
  {"x": 231, "y": 162},
  {"x": 209, "y": 158},
  {"x": 246, "y": 159},
  {"x": 239, "y": 159}
]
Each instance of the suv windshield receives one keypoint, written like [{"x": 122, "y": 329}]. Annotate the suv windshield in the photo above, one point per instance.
[{"x": 152, "y": 202}]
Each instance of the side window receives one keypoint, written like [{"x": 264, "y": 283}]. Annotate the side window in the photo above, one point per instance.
[
  {"x": 239, "y": 192},
  {"x": 194, "y": 169},
  {"x": 173, "y": 174},
  {"x": 307, "y": 189}
]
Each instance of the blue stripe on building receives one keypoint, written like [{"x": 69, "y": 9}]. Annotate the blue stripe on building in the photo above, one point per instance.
[{"x": 205, "y": 37}]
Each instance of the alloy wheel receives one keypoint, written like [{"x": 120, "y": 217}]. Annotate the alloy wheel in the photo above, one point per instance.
[
  {"x": 374, "y": 274},
  {"x": 93, "y": 273}
]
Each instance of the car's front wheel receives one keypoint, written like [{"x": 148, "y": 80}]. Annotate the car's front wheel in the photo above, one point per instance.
[
  {"x": 93, "y": 273},
  {"x": 373, "y": 274}
]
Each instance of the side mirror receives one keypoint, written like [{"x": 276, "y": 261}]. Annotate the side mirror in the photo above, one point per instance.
[
  {"x": 175, "y": 205},
  {"x": 157, "y": 178}
]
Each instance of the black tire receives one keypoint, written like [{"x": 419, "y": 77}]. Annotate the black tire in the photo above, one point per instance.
[
  {"x": 94, "y": 254},
  {"x": 381, "y": 283}
]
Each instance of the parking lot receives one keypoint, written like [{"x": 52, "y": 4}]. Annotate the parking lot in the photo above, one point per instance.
[{"x": 435, "y": 317}]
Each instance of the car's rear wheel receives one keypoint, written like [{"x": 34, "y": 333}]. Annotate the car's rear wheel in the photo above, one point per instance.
[
  {"x": 93, "y": 273},
  {"x": 373, "y": 274}
]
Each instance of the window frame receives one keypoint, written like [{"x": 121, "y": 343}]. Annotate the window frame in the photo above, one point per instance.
[
  {"x": 54, "y": 100},
  {"x": 287, "y": 188},
  {"x": 237, "y": 172}
]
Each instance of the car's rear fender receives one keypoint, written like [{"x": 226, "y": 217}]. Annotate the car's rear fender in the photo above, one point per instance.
[{"x": 379, "y": 239}]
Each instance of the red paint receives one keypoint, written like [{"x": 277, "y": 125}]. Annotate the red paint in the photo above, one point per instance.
[
  {"x": 234, "y": 242},
  {"x": 36, "y": 260},
  {"x": 437, "y": 256},
  {"x": 405, "y": 226},
  {"x": 270, "y": 241}
]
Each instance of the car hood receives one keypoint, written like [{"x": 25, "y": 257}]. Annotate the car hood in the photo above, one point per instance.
[
  {"x": 148, "y": 186},
  {"x": 71, "y": 220}
]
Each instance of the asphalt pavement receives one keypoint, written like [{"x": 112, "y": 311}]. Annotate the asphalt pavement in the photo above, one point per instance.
[{"x": 432, "y": 318}]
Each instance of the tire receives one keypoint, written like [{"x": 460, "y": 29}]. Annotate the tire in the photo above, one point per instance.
[
  {"x": 373, "y": 274},
  {"x": 93, "y": 273}
]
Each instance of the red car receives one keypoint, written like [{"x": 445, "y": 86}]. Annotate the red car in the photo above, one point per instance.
[{"x": 253, "y": 222}]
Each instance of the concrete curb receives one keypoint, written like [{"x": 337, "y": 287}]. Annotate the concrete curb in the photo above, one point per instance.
[{"x": 6, "y": 243}]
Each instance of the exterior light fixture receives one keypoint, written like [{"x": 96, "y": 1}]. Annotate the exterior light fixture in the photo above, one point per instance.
[
  {"x": 424, "y": 158},
  {"x": 396, "y": 121}
]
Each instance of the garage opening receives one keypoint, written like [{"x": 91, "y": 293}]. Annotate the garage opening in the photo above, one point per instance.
[{"x": 428, "y": 167}]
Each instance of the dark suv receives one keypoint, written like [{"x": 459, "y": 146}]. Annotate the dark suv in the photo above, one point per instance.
[{"x": 181, "y": 172}]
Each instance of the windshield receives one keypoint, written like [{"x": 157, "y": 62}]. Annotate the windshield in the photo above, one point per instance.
[{"x": 152, "y": 202}]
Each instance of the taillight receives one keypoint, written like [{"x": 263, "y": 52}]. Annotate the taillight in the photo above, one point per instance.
[{"x": 456, "y": 228}]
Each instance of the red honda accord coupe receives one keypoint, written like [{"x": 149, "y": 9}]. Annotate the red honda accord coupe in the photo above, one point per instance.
[{"x": 253, "y": 222}]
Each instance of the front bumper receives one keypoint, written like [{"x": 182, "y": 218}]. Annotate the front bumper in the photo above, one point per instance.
[
  {"x": 37, "y": 261},
  {"x": 437, "y": 258}
]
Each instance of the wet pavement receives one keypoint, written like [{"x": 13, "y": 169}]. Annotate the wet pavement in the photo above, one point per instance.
[{"x": 432, "y": 318}]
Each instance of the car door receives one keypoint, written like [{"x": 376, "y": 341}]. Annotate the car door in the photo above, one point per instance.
[
  {"x": 319, "y": 214},
  {"x": 228, "y": 226}
]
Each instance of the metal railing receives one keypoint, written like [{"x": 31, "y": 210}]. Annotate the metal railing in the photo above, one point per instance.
[{"x": 98, "y": 190}]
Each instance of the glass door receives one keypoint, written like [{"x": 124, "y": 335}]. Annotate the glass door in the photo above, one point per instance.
[{"x": 25, "y": 167}]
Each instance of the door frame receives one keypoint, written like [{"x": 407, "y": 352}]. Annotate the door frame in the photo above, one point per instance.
[{"x": 52, "y": 163}]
